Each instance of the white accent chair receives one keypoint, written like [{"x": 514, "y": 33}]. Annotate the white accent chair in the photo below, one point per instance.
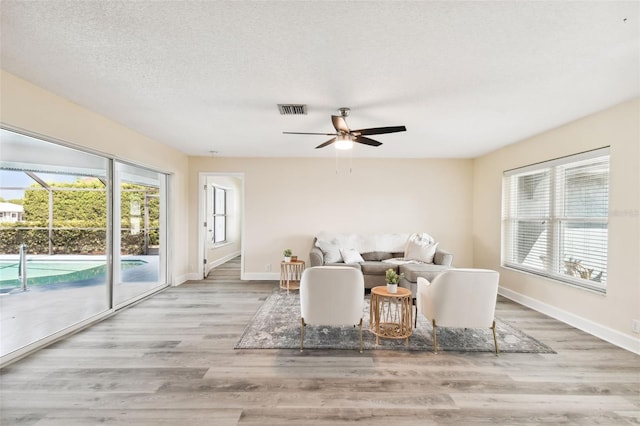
[
  {"x": 331, "y": 295},
  {"x": 459, "y": 298}
]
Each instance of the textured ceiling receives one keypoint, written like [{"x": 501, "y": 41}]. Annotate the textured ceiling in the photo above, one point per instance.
[{"x": 465, "y": 78}]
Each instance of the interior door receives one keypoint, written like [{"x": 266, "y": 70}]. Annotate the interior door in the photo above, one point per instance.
[{"x": 207, "y": 226}]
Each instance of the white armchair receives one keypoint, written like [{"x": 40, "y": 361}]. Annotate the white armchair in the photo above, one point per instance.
[
  {"x": 462, "y": 298},
  {"x": 331, "y": 295}
]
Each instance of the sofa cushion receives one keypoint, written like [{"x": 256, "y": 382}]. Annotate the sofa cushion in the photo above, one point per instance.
[
  {"x": 377, "y": 268},
  {"x": 377, "y": 255},
  {"x": 351, "y": 255},
  {"x": 429, "y": 271}
]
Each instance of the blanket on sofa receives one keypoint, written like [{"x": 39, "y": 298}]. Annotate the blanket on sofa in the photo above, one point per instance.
[
  {"x": 363, "y": 243},
  {"x": 400, "y": 261}
]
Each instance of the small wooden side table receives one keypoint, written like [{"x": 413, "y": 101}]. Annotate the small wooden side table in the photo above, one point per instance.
[
  {"x": 290, "y": 274},
  {"x": 390, "y": 314}
]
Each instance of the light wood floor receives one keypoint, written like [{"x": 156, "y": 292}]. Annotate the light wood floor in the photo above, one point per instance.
[{"x": 169, "y": 360}]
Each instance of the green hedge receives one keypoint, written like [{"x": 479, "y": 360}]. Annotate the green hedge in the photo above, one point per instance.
[
  {"x": 37, "y": 240},
  {"x": 70, "y": 241},
  {"x": 79, "y": 219}
]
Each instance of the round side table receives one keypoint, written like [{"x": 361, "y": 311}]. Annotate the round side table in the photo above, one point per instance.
[
  {"x": 390, "y": 314},
  {"x": 290, "y": 274}
]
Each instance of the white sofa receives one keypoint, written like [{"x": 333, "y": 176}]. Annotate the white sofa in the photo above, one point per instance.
[{"x": 379, "y": 252}]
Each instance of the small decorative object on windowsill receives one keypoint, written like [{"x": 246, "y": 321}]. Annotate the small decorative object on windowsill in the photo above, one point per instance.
[
  {"x": 287, "y": 255},
  {"x": 392, "y": 279}
]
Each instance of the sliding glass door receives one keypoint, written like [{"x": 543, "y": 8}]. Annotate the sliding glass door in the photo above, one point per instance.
[
  {"x": 54, "y": 228},
  {"x": 80, "y": 235},
  {"x": 139, "y": 258}
]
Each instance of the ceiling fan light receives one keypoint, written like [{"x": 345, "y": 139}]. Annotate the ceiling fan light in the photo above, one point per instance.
[{"x": 344, "y": 142}]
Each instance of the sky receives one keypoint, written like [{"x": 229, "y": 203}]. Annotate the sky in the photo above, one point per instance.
[{"x": 18, "y": 179}]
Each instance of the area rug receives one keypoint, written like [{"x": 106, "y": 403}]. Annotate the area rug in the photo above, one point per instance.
[{"x": 276, "y": 325}]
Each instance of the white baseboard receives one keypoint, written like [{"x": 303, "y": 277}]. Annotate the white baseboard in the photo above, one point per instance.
[
  {"x": 179, "y": 280},
  {"x": 209, "y": 266},
  {"x": 605, "y": 333},
  {"x": 261, "y": 276},
  {"x": 193, "y": 276}
]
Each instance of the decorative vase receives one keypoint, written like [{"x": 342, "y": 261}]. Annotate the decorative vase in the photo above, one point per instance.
[
  {"x": 392, "y": 288},
  {"x": 287, "y": 258}
]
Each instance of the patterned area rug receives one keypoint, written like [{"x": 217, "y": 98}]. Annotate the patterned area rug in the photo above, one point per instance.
[{"x": 276, "y": 325}]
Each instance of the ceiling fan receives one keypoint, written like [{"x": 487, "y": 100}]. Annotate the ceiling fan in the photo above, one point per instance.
[{"x": 345, "y": 137}]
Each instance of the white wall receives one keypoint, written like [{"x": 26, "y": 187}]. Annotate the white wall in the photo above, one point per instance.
[
  {"x": 288, "y": 201},
  {"x": 31, "y": 108},
  {"x": 610, "y": 315}
]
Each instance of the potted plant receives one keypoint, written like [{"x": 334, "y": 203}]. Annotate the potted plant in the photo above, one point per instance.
[
  {"x": 287, "y": 255},
  {"x": 392, "y": 279}
]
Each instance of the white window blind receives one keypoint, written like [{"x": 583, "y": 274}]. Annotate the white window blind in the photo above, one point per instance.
[{"x": 555, "y": 219}]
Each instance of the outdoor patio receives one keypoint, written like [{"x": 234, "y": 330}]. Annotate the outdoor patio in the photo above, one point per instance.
[{"x": 42, "y": 310}]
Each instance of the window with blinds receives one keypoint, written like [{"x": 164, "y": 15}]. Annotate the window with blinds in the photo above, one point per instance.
[
  {"x": 555, "y": 219},
  {"x": 219, "y": 215}
]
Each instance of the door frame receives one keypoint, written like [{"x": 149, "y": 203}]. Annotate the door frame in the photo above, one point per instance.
[{"x": 202, "y": 229}]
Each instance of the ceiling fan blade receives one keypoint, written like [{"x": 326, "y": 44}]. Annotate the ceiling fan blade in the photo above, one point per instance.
[
  {"x": 329, "y": 142},
  {"x": 339, "y": 123},
  {"x": 367, "y": 141},
  {"x": 380, "y": 130},
  {"x": 304, "y": 133}
]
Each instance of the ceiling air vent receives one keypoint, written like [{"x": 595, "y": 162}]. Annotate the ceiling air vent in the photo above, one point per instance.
[{"x": 292, "y": 109}]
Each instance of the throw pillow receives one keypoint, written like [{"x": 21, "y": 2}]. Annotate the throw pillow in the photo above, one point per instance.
[
  {"x": 331, "y": 252},
  {"x": 351, "y": 255},
  {"x": 421, "y": 248}
]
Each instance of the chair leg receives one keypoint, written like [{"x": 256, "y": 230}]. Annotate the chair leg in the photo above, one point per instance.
[
  {"x": 415, "y": 318},
  {"x": 435, "y": 337},
  {"x": 360, "y": 335},
  {"x": 495, "y": 339},
  {"x": 302, "y": 324}
]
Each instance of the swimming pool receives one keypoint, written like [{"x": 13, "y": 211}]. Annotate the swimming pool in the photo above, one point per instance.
[{"x": 43, "y": 272}]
